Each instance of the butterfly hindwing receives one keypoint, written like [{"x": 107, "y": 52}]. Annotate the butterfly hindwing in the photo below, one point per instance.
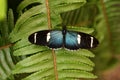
[
  {"x": 71, "y": 41},
  {"x": 56, "y": 39}
]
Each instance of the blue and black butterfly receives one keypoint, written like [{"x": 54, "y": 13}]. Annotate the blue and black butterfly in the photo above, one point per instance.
[{"x": 63, "y": 38}]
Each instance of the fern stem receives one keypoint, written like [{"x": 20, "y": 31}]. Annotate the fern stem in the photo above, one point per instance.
[
  {"x": 6, "y": 46},
  {"x": 48, "y": 14},
  {"x": 55, "y": 65},
  {"x": 53, "y": 52},
  {"x": 107, "y": 24}
]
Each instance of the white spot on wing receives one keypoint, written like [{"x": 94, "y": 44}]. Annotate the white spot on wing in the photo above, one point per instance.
[
  {"x": 79, "y": 39},
  {"x": 91, "y": 43},
  {"x": 48, "y": 37},
  {"x": 35, "y": 35}
]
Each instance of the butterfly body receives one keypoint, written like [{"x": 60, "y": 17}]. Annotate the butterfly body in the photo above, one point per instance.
[{"x": 63, "y": 38}]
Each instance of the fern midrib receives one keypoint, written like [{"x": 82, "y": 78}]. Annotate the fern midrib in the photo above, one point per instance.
[
  {"x": 107, "y": 25},
  {"x": 53, "y": 52}
]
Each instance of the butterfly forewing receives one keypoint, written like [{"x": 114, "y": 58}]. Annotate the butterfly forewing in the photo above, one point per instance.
[
  {"x": 39, "y": 38},
  {"x": 50, "y": 38},
  {"x": 87, "y": 41},
  {"x": 76, "y": 40}
]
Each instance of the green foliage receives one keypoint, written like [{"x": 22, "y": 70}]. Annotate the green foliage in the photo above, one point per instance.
[
  {"x": 3, "y": 9},
  {"x": 39, "y": 60},
  {"x": 6, "y": 62},
  {"x": 6, "y": 65},
  {"x": 36, "y": 62},
  {"x": 42, "y": 62},
  {"x": 108, "y": 34},
  {"x": 83, "y": 16},
  {"x": 113, "y": 13}
]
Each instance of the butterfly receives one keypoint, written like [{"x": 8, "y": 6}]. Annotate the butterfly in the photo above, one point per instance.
[{"x": 71, "y": 40}]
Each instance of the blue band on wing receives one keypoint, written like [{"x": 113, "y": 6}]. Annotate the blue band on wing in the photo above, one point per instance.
[
  {"x": 71, "y": 40},
  {"x": 56, "y": 39}
]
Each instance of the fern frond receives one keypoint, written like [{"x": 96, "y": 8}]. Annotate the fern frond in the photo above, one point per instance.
[
  {"x": 108, "y": 27},
  {"x": 6, "y": 60},
  {"x": 39, "y": 60},
  {"x": 83, "y": 16},
  {"x": 6, "y": 64},
  {"x": 113, "y": 13}
]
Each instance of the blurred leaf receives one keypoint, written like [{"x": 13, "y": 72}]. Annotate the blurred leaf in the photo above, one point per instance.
[
  {"x": 6, "y": 59},
  {"x": 83, "y": 16},
  {"x": 3, "y": 9},
  {"x": 108, "y": 27},
  {"x": 113, "y": 13}
]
